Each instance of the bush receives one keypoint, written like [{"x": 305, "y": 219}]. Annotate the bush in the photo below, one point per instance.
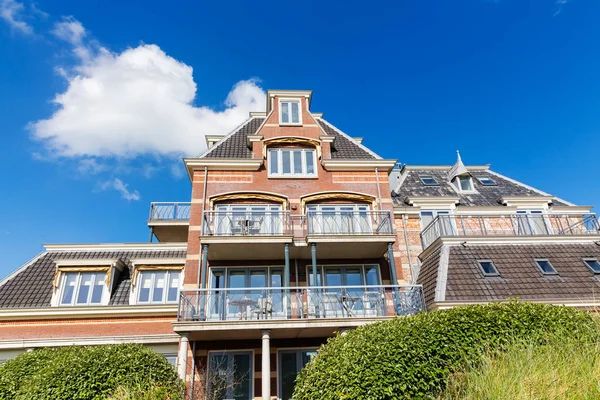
[
  {"x": 412, "y": 357},
  {"x": 87, "y": 372},
  {"x": 559, "y": 370}
]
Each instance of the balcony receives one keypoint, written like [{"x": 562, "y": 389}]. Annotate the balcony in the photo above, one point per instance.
[
  {"x": 532, "y": 225},
  {"x": 259, "y": 234},
  {"x": 294, "y": 309},
  {"x": 169, "y": 221}
]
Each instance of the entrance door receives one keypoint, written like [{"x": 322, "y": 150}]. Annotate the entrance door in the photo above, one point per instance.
[{"x": 290, "y": 364}]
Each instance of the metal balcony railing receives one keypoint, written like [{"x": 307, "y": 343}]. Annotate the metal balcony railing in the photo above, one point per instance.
[
  {"x": 246, "y": 223},
  {"x": 349, "y": 223},
  {"x": 298, "y": 303},
  {"x": 256, "y": 223},
  {"x": 509, "y": 225},
  {"x": 169, "y": 211}
]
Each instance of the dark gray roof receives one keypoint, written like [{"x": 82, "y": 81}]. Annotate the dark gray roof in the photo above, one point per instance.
[
  {"x": 485, "y": 195},
  {"x": 32, "y": 287},
  {"x": 343, "y": 147},
  {"x": 235, "y": 145},
  {"x": 519, "y": 275}
]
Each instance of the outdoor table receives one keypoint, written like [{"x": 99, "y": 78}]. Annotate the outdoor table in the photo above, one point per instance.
[{"x": 242, "y": 304}]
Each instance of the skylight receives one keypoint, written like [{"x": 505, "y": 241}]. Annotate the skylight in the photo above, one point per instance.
[
  {"x": 486, "y": 180},
  {"x": 488, "y": 268},
  {"x": 592, "y": 264},
  {"x": 428, "y": 180},
  {"x": 545, "y": 266}
]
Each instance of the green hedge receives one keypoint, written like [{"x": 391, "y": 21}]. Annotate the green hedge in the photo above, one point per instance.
[
  {"x": 411, "y": 357},
  {"x": 86, "y": 372}
]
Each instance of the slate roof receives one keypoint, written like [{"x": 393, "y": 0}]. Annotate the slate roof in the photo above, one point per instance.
[
  {"x": 519, "y": 275},
  {"x": 411, "y": 185},
  {"x": 32, "y": 287},
  {"x": 235, "y": 144}
]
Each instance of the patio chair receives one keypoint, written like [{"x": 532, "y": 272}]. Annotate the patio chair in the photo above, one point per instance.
[{"x": 264, "y": 308}]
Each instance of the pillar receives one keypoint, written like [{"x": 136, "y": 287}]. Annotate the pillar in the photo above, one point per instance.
[
  {"x": 286, "y": 278},
  {"x": 316, "y": 292},
  {"x": 393, "y": 277},
  {"x": 266, "y": 365},
  {"x": 203, "y": 273},
  {"x": 183, "y": 355}
]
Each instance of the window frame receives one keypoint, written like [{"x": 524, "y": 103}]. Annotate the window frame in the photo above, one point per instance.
[
  {"x": 167, "y": 273},
  {"x": 232, "y": 353},
  {"x": 487, "y": 274},
  {"x": 289, "y": 109},
  {"x": 428, "y": 176},
  {"x": 587, "y": 260},
  {"x": 491, "y": 181},
  {"x": 537, "y": 263},
  {"x": 458, "y": 186},
  {"x": 73, "y": 303},
  {"x": 292, "y": 175}
]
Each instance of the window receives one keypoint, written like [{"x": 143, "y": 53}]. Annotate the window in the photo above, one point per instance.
[
  {"x": 531, "y": 222},
  {"x": 292, "y": 162},
  {"x": 428, "y": 180},
  {"x": 486, "y": 181},
  {"x": 230, "y": 375},
  {"x": 545, "y": 266},
  {"x": 158, "y": 286},
  {"x": 245, "y": 219},
  {"x": 83, "y": 288},
  {"x": 289, "y": 112},
  {"x": 171, "y": 358},
  {"x": 445, "y": 221},
  {"x": 464, "y": 183},
  {"x": 341, "y": 219},
  {"x": 488, "y": 268},
  {"x": 291, "y": 363},
  {"x": 592, "y": 264}
]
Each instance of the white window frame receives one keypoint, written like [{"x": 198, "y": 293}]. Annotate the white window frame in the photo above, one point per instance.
[
  {"x": 292, "y": 174},
  {"x": 428, "y": 176},
  {"x": 359, "y": 224},
  {"x": 538, "y": 260},
  {"x": 588, "y": 260},
  {"x": 528, "y": 223},
  {"x": 105, "y": 290},
  {"x": 496, "y": 273},
  {"x": 272, "y": 225},
  {"x": 289, "y": 101},
  {"x": 458, "y": 186},
  {"x": 167, "y": 274}
]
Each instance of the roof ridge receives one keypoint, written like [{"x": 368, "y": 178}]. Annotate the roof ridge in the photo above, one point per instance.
[
  {"x": 516, "y": 182},
  {"x": 227, "y": 136},
  {"x": 360, "y": 145}
]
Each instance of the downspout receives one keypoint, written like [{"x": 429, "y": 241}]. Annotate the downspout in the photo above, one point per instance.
[
  {"x": 378, "y": 188},
  {"x": 410, "y": 264},
  {"x": 202, "y": 224},
  {"x": 193, "y": 370}
]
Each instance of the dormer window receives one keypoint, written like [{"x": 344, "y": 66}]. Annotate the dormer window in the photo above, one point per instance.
[
  {"x": 83, "y": 288},
  {"x": 464, "y": 183},
  {"x": 293, "y": 163},
  {"x": 289, "y": 112}
]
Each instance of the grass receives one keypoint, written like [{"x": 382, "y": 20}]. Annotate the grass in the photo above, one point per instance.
[{"x": 565, "y": 370}]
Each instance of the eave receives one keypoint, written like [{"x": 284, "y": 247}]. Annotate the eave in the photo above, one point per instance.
[
  {"x": 221, "y": 164},
  {"x": 358, "y": 165}
]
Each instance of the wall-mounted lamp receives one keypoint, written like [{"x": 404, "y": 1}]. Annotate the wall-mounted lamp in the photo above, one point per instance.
[{"x": 294, "y": 208}]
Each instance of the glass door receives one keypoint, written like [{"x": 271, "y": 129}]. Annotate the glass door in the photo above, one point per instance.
[
  {"x": 290, "y": 364},
  {"x": 230, "y": 376},
  {"x": 531, "y": 222}
]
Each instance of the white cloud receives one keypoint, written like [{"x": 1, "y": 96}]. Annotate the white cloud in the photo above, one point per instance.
[
  {"x": 121, "y": 187},
  {"x": 133, "y": 103},
  {"x": 11, "y": 12},
  {"x": 177, "y": 170},
  {"x": 90, "y": 166}
]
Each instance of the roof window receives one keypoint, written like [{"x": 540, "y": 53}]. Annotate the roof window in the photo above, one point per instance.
[
  {"x": 428, "y": 180},
  {"x": 488, "y": 268},
  {"x": 545, "y": 266},
  {"x": 486, "y": 180}
]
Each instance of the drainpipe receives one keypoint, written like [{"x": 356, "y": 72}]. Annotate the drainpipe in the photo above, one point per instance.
[
  {"x": 313, "y": 251},
  {"x": 286, "y": 277},
  {"x": 410, "y": 264},
  {"x": 378, "y": 187},
  {"x": 203, "y": 273},
  {"x": 202, "y": 214},
  {"x": 193, "y": 370}
]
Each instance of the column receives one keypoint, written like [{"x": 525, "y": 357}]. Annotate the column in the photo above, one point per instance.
[
  {"x": 393, "y": 277},
  {"x": 183, "y": 355},
  {"x": 203, "y": 273},
  {"x": 316, "y": 293},
  {"x": 266, "y": 365},
  {"x": 286, "y": 282}
]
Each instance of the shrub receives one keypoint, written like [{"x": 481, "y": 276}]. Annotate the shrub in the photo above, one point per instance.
[
  {"x": 86, "y": 372},
  {"x": 412, "y": 357},
  {"x": 559, "y": 370}
]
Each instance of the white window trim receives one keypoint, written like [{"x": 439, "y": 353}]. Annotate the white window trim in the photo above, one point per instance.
[
  {"x": 299, "y": 101},
  {"x": 493, "y": 182},
  {"x": 136, "y": 293},
  {"x": 591, "y": 259},
  {"x": 456, "y": 184},
  {"x": 280, "y": 163},
  {"x": 421, "y": 177},
  {"x": 486, "y": 274},
  {"x": 536, "y": 260},
  {"x": 63, "y": 280},
  {"x": 435, "y": 213}
]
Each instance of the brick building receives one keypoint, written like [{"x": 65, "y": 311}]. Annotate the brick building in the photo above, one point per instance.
[{"x": 295, "y": 231}]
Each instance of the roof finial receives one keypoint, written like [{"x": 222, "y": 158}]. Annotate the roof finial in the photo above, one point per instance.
[{"x": 458, "y": 168}]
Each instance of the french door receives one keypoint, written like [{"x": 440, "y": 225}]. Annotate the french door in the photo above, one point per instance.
[
  {"x": 246, "y": 219},
  {"x": 338, "y": 219},
  {"x": 290, "y": 364},
  {"x": 531, "y": 222},
  {"x": 230, "y": 376}
]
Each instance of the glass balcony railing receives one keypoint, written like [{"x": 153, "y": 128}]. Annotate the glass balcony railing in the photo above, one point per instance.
[
  {"x": 169, "y": 211},
  {"x": 300, "y": 303},
  {"x": 509, "y": 225}
]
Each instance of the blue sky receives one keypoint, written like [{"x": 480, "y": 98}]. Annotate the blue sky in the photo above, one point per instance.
[{"x": 100, "y": 100}]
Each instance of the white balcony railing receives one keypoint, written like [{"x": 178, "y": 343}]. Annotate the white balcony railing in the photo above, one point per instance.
[
  {"x": 169, "y": 211},
  {"x": 297, "y": 303},
  {"x": 509, "y": 225}
]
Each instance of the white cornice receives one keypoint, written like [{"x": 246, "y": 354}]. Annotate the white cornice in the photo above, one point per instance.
[
  {"x": 578, "y": 210},
  {"x": 443, "y": 167},
  {"x": 358, "y": 165},
  {"x": 220, "y": 164},
  {"x": 257, "y": 114},
  {"x": 157, "y": 261},
  {"x": 61, "y": 313},
  {"x": 109, "y": 262},
  {"x": 115, "y": 246},
  {"x": 430, "y": 201},
  {"x": 407, "y": 210},
  {"x": 526, "y": 200},
  {"x": 87, "y": 341}
]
